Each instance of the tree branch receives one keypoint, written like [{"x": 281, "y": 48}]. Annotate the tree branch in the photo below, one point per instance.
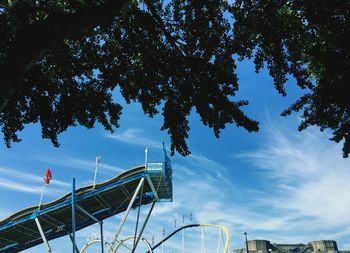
[
  {"x": 163, "y": 28},
  {"x": 33, "y": 39}
]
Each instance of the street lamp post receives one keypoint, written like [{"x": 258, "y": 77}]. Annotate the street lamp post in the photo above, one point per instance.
[{"x": 246, "y": 242}]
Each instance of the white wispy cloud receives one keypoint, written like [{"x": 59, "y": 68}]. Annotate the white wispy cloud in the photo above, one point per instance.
[
  {"x": 135, "y": 137},
  {"x": 20, "y": 181},
  {"x": 13, "y": 185},
  {"x": 28, "y": 177},
  {"x": 210, "y": 166},
  {"x": 81, "y": 164},
  {"x": 28, "y": 188},
  {"x": 308, "y": 181}
]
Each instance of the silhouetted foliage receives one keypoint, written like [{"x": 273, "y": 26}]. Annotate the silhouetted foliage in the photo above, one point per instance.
[
  {"x": 310, "y": 41},
  {"x": 60, "y": 62}
]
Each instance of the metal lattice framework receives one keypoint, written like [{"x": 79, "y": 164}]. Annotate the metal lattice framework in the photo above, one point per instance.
[{"x": 92, "y": 204}]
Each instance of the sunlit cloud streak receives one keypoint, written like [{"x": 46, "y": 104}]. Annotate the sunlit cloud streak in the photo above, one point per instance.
[
  {"x": 27, "y": 188},
  {"x": 135, "y": 137},
  {"x": 29, "y": 177},
  {"x": 309, "y": 181},
  {"x": 81, "y": 164}
]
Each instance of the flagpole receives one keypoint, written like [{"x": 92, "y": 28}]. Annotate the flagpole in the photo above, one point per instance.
[
  {"x": 47, "y": 178},
  {"x": 98, "y": 159},
  {"x": 42, "y": 194},
  {"x": 146, "y": 157}
]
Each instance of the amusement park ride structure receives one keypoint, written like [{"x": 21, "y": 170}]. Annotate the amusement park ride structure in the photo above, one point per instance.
[{"x": 142, "y": 185}]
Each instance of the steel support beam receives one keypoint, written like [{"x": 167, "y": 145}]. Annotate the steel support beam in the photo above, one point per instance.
[
  {"x": 102, "y": 241},
  {"x": 138, "y": 214},
  {"x": 126, "y": 213},
  {"x": 144, "y": 225},
  {"x": 76, "y": 247},
  {"x": 152, "y": 186},
  {"x": 48, "y": 248},
  {"x": 96, "y": 220},
  {"x": 73, "y": 214},
  {"x": 86, "y": 213}
]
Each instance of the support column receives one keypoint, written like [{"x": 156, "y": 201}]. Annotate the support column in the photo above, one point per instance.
[
  {"x": 144, "y": 225},
  {"x": 126, "y": 213},
  {"x": 73, "y": 214},
  {"x": 101, "y": 231},
  {"x": 43, "y": 235},
  {"x": 75, "y": 246},
  {"x": 80, "y": 208},
  {"x": 152, "y": 187},
  {"x": 138, "y": 215}
]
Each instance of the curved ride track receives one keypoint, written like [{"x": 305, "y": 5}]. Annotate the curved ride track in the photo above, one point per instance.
[
  {"x": 151, "y": 249},
  {"x": 223, "y": 228}
]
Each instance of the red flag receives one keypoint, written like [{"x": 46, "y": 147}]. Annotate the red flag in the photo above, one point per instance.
[{"x": 47, "y": 176}]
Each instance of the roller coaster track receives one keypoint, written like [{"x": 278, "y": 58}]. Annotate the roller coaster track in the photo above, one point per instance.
[
  {"x": 150, "y": 248},
  {"x": 223, "y": 228}
]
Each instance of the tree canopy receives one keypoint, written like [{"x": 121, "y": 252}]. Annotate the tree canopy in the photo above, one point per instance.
[{"x": 60, "y": 62}]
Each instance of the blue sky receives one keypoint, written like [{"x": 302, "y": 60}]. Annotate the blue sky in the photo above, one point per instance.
[{"x": 278, "y": 184}]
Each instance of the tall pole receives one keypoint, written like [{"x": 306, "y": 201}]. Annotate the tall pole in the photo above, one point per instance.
[
  {"x": 126, "y": 212},
  {"x": 183, "y": 234},
  {"x": 41, "y": 196},
  {"x": 101, "y": 232},
  {"x": 42, "y": 234},
  {"x": 98, "y": 159},
  {"x": 246, "y": 242},
  {"x": 144, "y": 225},
  {"x": 162, "y": 239},
  {"x": 202, "y": 241},
  {"x": 73, "y": 214},
  {"x": 146, "y": 157}
]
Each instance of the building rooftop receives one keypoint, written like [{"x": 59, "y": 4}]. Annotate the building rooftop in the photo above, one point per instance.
[{"x": 265, "y": 246}]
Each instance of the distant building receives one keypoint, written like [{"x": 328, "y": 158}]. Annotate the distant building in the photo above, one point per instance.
[{"x": 264, "y": 246}]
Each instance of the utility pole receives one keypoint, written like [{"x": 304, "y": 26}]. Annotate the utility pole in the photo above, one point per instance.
[
  {"x": 246, "y": 242},
  {"x": 146, "y": 157},
  {"x": 98, "y": 160},
  {"x": 183, "y": 234},
  {"x": 163, "y": 233}
]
